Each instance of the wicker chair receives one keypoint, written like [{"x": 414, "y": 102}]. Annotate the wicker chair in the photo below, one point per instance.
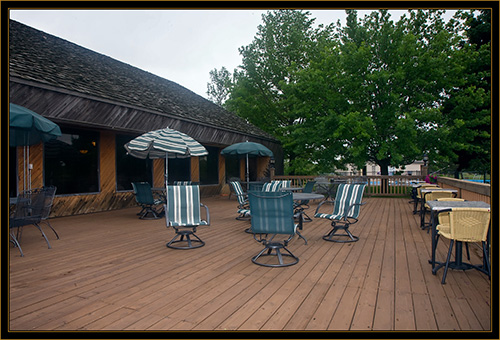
[
  {"x": 432, "y": 196},
  {"x": 464, "y": 225},
  {"x": 419, "y": 195}
]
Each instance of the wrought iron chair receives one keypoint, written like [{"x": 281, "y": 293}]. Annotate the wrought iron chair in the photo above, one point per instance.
[
  {"x": 49, "y": 200},
  {"x": 464, "y": 225},
  {"x": 346, "y": 208},
  {"x": 144, "y": 197},
  {"x": 301, "y": 206},
  {"x": 183, "y": 213},
  {"x": 242, "y": 197},
  {"x": 29, "y": 210},
  {"x": 272, "y": 215}
]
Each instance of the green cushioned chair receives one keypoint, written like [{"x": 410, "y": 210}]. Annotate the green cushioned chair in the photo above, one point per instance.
[{"x": 273, "y": 218}]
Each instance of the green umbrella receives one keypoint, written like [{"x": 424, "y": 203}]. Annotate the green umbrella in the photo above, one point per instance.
[
  {"x": 164, "y": 143},
  {"x": 29, "y": 128},
  {"x": 247, "y": 149}
]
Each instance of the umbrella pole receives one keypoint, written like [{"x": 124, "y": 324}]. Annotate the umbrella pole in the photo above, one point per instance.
[
  {"x": 248, "y": 176},
  {"x": 166, "y": 170}
]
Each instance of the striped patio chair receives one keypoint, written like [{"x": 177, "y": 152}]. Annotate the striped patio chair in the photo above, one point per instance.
[
  {"x": 346, "y": 209},
  {"x": 183, "y": 213},
  {"x": 241, "y": 196},
  {"x": 272, "y": 215},
  {"x": 272, "y": 186}
]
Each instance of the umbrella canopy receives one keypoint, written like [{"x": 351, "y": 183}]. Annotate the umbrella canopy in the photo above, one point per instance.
[
  {"x": 164, "y": 143},
  {"x": 247, "y": 149},
  {"x": 29, "y": 128}
]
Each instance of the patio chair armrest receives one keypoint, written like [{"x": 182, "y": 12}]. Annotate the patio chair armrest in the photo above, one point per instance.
[
  {"x": 350, "y": 208},
  {"x": 207, "y": 212},
  {"x": 320, "y": 204}
]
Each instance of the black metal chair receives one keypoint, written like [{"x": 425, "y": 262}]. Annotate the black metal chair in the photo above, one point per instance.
[
  {"x": 29, "y": 210},
  {"x": 272, "y": 215},
  {"x": 144, "y": 197}
]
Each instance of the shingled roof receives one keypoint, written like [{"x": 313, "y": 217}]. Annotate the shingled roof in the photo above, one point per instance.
[{"x": 42, "y": 60}]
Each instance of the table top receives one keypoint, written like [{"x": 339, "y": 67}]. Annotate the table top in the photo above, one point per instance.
[
  {"x": 292, "y": 189},
  {"x": 307, "y": 196},
  {"x": 424, "y": 191},
  {"x": 441, "y": 205}
]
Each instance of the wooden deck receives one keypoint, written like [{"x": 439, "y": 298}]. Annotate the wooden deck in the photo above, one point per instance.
[{"x": 112, "y": 271}]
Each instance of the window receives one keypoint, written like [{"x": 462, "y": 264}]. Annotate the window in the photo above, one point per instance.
[
  {"x": 129, "y": 168},
  {"x": 209, "y": 166},
  {"x": 179, "y": 169},
  {"x": 71, "y": 162},
  {"x": 232, "y": 167}
]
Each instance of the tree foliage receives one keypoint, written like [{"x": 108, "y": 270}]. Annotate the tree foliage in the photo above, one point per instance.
[{"x": 374, "y": 90}]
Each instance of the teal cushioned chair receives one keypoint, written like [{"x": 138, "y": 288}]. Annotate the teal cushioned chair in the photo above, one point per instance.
[
  {"x": 272, "y": 215},
  {"x": 144, "y": 197}
]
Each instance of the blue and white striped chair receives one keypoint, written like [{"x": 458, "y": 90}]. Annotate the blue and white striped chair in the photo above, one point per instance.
[
  {"x": 241, "y": 196},
  {"x": 272, "y": 215},
  {"x": 272, "y": 186},
  {"x": 183, "y": 213},
  {"x": 183, "y": 182},
  {"x": 346, "y": 209}
]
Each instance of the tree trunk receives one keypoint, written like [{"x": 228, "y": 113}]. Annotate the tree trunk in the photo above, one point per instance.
[{"x": 384, "y": 171}]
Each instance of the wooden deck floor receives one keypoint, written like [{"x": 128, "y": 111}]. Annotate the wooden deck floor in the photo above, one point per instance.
[{"x": 112, "y": 271}]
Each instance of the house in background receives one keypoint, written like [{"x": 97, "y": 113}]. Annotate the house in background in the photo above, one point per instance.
[{"x": 100, "y": 104}]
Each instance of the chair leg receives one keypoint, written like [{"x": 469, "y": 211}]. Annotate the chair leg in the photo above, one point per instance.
[
  {"x": 48, "y": 223},
  {"x": 185, "y": 237},
  {"x": 443, "y": 281},
  {"x": 486, "y": 259},
  {"x": 16, "y": 243},
  {"x": 333, "y": 233},
  {"x": 277, "y": 247},
  {"x": 43, "y": 234}
]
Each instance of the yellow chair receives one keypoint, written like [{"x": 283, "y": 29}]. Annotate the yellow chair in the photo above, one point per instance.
[
  {"x": 464, "y": 225},
  {"x": 432, "y": 196},
  {"x": 418, "y": 195}
]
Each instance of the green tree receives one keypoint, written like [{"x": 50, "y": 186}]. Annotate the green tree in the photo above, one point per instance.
[
  {"x": 220, "y": 86},
  {"x": 467, "y": 111},
  {"x": 283, "y": 45}
]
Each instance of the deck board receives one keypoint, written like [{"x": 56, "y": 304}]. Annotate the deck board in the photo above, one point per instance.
[{"x": 112, "y": 271}]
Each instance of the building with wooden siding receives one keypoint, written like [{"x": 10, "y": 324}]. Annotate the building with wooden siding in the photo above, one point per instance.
[{"x": 101, "y": 103}]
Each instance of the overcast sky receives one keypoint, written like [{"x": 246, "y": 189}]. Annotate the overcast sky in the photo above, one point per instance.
[{"x": 179, "y": 45}]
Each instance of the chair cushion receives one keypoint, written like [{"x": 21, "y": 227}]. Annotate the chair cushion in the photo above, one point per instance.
[
  {"x": 328, "y": 216},
  {"x": 246, "y": 212}
]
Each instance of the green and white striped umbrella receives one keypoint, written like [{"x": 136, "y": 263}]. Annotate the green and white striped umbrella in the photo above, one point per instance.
[{"x": 164, "y": 143}]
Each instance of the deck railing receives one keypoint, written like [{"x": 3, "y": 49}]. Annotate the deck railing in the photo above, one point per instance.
[
  {"x": 376, "y": 185},
  {"x": 402, "y": 185}
]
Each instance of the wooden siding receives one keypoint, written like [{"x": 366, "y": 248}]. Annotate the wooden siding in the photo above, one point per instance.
[{"x": 112, "y": 271}]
